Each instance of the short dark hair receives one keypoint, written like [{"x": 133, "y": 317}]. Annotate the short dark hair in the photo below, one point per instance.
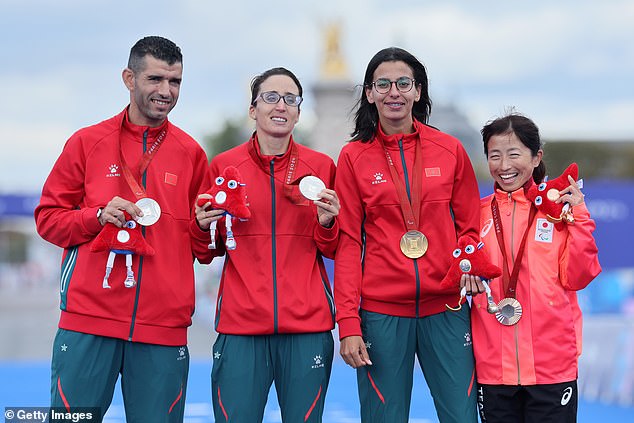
[
  {"x": 525, "y": 129},
  {"x": 158, "y": 47},
  {"x": 367, "y": 116},
  {"x": 257, "y": 81}
]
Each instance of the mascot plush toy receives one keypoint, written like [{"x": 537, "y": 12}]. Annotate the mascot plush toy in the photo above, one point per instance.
[
  {"x": 545, "y": 194},
  {"x": 229, "y": 194},
  {"x": 126, "y": 240},
  {"x": 469, "y": 258}
]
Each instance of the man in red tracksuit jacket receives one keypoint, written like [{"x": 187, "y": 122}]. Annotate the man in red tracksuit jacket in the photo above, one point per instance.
[
  {"x": 139, "y": 331},
  {"x": 275, "y": 310}
]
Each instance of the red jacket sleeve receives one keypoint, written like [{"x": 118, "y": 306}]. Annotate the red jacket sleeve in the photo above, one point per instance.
[
  {"x": 579, "y": 263},
  {"x": 348, "y": 272},
  {"x": 60, "y": 216},
  {"x": 327, "y": 239},
  {"x": 200, "y": 183},
  {"x": 465, "y": 198},
  {"x": 200, "y": 238}
]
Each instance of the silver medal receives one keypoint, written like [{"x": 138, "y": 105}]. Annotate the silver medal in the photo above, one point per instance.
[
  {"x": 465, "y": 266},
  {"x": 151, "y": 211},
  {"x": 310, "y": 187}
]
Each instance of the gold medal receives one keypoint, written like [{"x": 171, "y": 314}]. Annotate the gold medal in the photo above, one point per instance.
[
  {"x": 414, "y": 244},
  {"x": 510, "y": 311}
]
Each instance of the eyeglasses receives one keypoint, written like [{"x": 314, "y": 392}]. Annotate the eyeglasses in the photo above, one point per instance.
[
  {"x": 273, "y": 97},
  {"x": 384, "y": 85}
]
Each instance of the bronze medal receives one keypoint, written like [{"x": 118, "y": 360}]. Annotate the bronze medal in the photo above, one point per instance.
[
  {"x": 553, "y": 194},
  {"x": 510, "y": 311},
  {"x": 414, "y": 244}
]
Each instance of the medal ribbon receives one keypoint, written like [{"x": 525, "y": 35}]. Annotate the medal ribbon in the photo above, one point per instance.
[
  {"x": 510, "y": 281},
  {"x": 291, "y": 167},
  {"x": 132, "y": 180},
  {"x": 409, "y": 209}
]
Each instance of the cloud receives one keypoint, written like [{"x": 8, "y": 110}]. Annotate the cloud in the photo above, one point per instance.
[{"x": 567, "y": 64}]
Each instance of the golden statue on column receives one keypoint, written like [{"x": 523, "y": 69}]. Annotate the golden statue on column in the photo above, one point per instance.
[{"x": 333, "y": 65}]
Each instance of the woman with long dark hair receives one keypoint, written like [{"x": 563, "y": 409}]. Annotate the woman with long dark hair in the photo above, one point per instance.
[{"x": 409, "y": 192}]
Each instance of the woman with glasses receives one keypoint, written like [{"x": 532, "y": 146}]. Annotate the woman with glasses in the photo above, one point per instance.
[
  {"x": 275, "y": 310},
  {"x": 409, "y": 193}
]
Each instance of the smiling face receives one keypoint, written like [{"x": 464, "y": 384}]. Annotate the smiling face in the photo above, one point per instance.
[
  {"x": 154, "y": 91},
  {"x": 394, "y": 107},
  {"x": 511, "y": 163},
  {"x": 275, "y": 121}
]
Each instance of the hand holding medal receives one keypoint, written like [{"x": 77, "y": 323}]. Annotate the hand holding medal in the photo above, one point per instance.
[
  {"x": 113, "y": 212},
  {"x": 151, "y": 211},
  {"x": 326, "y": 200}
]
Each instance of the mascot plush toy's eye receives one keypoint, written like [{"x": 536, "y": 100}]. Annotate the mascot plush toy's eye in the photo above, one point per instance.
[
  {"x": 456, "y": 252},
  {"x": 219, "y": 180},
  {"x": 469, "y": 249},
  {"x": 130, "y": 224},
  {"x": 232, "y": 184},
  {"x": 542, "y": 186}
]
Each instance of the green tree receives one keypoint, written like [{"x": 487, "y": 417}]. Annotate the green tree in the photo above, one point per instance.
[
  {"x": 233, "y": 132},
  {"x": 596, "y": 159}
]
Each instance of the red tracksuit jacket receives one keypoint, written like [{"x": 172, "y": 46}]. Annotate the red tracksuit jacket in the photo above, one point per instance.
[
  {"x": 544, "y": 346},
  {"x": 86, "y": 176},
  {"x": 275, "y": 280},
  {"x": 370, "y": 269}
]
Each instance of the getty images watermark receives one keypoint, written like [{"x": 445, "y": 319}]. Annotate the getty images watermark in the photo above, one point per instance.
[{"x": 51, "y": 415}]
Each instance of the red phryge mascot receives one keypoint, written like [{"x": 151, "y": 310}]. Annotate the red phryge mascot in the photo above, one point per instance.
[
  {"x": 545, "y": 194},
  {"x": 469, "y": 258},
  {"x": 126, "y": 240},
  {"x": 229, "y": 194}
]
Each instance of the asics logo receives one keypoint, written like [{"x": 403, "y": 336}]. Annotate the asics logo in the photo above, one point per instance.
[
  {"x": 486, "y": 228},
  {"x": 565, "y": 398}
]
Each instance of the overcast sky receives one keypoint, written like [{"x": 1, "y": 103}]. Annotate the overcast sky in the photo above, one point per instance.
[{"x": 569, "y": 65}]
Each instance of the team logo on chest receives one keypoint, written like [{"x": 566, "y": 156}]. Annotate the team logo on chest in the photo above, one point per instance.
[
  {"x": 113, "y": 170},
  {"x": 377, "y": 178}
]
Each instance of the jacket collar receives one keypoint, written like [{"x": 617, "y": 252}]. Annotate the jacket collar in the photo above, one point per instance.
[
  {"x": 136, "y": 131},
  {"x": 263, "y": 159},
  {"x": 409, "y": 140},
  {"x": 519, "y": 195}
]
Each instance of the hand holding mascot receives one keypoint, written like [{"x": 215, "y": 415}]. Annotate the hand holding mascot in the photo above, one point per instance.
[{"x": 229, "y": 194}]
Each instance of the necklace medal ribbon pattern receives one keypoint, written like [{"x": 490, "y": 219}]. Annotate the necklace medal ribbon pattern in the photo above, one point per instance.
[
  {"x": 413, "y": 243},
  {"x": 150, "y": 207},
  {"x": 509, "y": 308}
]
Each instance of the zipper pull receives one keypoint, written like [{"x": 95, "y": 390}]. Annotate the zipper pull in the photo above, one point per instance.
[{"x": 510, "y": 201}]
